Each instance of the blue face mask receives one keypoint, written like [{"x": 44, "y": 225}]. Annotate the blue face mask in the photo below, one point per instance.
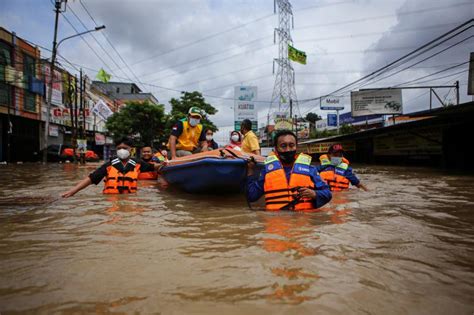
[{"x": 336, "y": 160}]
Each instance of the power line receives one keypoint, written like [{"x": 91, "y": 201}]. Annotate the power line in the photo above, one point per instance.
[
  {"x": 110, "y": 42},
  {"x": 435, "y": 73}
]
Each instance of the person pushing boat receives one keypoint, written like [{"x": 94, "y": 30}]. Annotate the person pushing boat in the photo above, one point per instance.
[
  {"x": 335, "y": 170},
  {"x": 288, "y": 181},
  {"x": 121, "y": 173}
]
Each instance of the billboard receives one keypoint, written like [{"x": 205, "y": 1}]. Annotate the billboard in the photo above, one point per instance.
[
  {"x": 302, "y": 130},
  {"x": 347, "y": 119},
  {"x": 370, "y": 102},
  {"x": 244, "y": 106},
  {"x": 282, "y": 121},
  {"x": 57, "y": 95}
]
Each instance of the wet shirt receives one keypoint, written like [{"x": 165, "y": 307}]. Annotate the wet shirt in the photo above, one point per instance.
[
  {"x": 323, "y": 194},
  {"x": 250, "y": 142},
  {"x": 177, "y": 130},
  {"x": 347, "y": 174},
  {"x": 97, "y": 175}
]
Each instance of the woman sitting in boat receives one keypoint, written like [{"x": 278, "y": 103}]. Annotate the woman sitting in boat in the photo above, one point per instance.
[
  {"x": 187, "y": 136},
  {"x": 288, "y": 181},
  {"x": 211, "y": 144},
  {"x": 235, "y": 141}
]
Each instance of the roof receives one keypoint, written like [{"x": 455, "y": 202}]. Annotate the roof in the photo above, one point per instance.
[{"x": 111, "y": 83}]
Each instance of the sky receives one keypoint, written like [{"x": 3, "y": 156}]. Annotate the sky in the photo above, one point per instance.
[{"x": 168, "y": 46}]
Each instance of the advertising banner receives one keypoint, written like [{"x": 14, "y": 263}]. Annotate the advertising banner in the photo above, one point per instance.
[
  {"x": 102, "y": 110},
  {"x": 99, "y": 139},
  {"x": 282, "y": 121},
  {"x": 57, "y": 96},
  {"x": 302, "y": 130},
  {"x": 370, "y": 102},
  {"x": 244, "y": 106}
]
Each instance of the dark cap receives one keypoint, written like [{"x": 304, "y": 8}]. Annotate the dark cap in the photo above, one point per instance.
[{"x": 335, "y": 148}]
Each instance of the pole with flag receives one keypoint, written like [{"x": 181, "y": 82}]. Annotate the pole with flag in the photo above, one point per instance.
[{"x": 296, "y": 55}]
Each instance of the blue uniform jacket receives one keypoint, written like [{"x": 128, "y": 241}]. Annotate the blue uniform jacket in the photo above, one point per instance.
[
  {"x": 323, "y": 194},
  {"x": 347, "y": 174}
]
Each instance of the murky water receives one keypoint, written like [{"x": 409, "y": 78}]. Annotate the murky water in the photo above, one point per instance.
[{"x": 405, "y": 247}]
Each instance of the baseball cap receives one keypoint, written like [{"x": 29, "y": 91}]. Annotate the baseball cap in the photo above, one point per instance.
[
  {"x": 195, "y": 111},
  {"x": 335, "y": 148}
]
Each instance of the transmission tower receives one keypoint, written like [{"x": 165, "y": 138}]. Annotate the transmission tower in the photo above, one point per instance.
[{"x": 284, "y": 92}]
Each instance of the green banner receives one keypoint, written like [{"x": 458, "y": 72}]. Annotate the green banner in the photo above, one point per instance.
[{"x": 296, "y": 55}]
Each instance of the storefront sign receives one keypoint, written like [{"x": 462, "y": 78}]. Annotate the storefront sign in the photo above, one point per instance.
[
  {"x": 99, "y": 139},
  {"x": 57, "y": 95},
  {"x": 102, "y": 110},
  {"x": 53, "y": 130}
]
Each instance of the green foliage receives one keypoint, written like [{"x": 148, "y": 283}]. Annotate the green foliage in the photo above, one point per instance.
[
  {"x": 312, "y": 117},
  {"x": 180, "y": 108},
  {"x": 346, "y": 129},
  {"x": 142, "y": 121}
]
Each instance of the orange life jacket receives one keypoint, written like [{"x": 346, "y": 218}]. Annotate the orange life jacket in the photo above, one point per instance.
[
  {"x": 119, "y": 183},
  {"x": 152, "y": 174},
  {"x": 334, "y": 176},
  {"x": 281, "y": 194}
]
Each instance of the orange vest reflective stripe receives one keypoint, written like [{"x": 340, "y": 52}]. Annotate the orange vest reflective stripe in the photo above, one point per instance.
[
  {"x": 119, "y": 183},
  {"x": 334, "y": 176},
  {"x": 278, "y": 192},
  {"x": 189, "y": 138}
]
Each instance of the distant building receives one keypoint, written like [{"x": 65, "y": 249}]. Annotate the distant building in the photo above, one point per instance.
[
  {"x": 21, "y": 89},
  {"x": 123, "y": 92}
]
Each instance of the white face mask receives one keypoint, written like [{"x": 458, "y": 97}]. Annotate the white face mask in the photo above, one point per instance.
[
  {"x": 123, "y": 154},
  {"x": 194, "y": 121},
  {"x": 336, "y": 160},
  {"x": 235, "y": 138},
  {"x": 208, "y": 137}
]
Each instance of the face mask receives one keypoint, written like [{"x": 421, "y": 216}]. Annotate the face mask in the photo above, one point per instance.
[
  {"x": 336, "y": 160},
  {"x": 194, "y": 121},
  {"x": 235, "y": 138},
  {"x": 208, "y": 138},
  {"x": 287, "y": 157},
  {"x": 123, "y": 154}
]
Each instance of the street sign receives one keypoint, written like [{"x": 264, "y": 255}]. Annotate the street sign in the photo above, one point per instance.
[{"x": 332, "y": 120}]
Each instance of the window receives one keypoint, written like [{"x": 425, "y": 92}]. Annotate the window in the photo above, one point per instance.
[
  {"x": 29, "y": 66},
  {"x": 5, "y": 94},
  {"x": 118, "y": 90},
  {"x": 30, "y": 101}
]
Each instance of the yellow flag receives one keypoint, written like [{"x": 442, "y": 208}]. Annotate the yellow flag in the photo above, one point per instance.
[{"x": 296, "y": 55}]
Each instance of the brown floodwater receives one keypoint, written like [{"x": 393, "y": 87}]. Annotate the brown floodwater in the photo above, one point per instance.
[{"x": 404, "y": 247}]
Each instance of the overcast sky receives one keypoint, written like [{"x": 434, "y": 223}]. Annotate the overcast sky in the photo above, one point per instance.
[{"x": 213, "y": 45}]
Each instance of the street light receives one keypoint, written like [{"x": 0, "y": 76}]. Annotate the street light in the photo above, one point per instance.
[{"x": 53, "y": 59}]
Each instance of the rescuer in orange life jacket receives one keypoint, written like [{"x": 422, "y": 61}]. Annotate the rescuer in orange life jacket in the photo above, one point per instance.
[
  {"x": 147, "y": 156},
  {"x": 288, "y": 181},
  {"x": 121, "y": 173},
  {"x": 335, "y": 170}
]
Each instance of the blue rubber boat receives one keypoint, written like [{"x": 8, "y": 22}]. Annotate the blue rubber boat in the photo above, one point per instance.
[{"x": 211, "y": 172}]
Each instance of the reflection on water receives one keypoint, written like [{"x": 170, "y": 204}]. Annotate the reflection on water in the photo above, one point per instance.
[{"x": 409, "y": 240}]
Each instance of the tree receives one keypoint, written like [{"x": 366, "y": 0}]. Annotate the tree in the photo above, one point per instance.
[
  {"x": 180, "y": 108},
  {"x": 143, "y": 121},
  {"x": 312, "y": 117}
]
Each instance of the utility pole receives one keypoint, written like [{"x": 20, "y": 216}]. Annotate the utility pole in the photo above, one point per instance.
[
  {"x": 284, "y": 87},
  {"x": 57, "y": 9},
  {"x": 81, "y": 113}
]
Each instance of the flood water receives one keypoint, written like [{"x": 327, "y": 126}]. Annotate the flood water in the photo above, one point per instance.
[{"x": 405, "y": 247}]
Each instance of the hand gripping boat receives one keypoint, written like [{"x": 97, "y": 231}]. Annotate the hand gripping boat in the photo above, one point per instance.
[{"x": 216, "y": 171}]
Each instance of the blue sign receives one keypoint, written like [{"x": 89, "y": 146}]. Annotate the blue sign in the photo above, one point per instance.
[
  {"x": 332, "y": 120},
  {"x": 347, "y": 118},
  {"x": 332, "y": 107}
]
